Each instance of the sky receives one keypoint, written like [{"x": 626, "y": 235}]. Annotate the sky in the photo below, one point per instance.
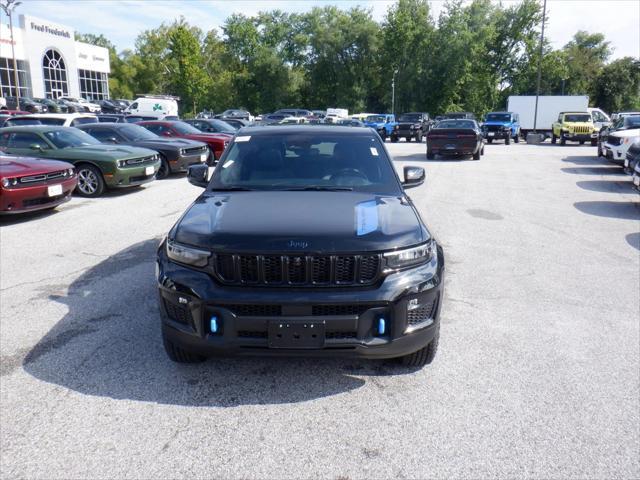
[{"x": 122, "y": 20}]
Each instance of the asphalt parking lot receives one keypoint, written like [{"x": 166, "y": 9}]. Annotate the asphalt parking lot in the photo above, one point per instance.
[{"x": 536, "y": 376}]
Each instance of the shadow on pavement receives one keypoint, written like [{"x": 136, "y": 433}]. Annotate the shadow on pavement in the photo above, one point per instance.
[
  {"x": 633, "y": 239},
  {"x": 17, "y": 218},
  {"x": 108, "y": 344},
  {"x": 607, "y": 186},
  {"x": 594, "y": 170},
  {"x": 622, "y": 210},
  {"x": 582, "y": 160}
]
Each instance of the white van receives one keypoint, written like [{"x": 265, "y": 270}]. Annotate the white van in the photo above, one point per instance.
[{"x": 159, "y": 106}]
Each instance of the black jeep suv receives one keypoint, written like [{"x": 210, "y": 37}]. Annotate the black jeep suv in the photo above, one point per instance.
[
  {"x": 412, "y": 125},
  {"x": 302, "y": 243}
]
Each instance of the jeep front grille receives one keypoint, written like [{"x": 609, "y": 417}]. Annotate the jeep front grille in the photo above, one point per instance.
[
  {"x": 582, "y": 129},
  {"x": 297, "y": 270}
]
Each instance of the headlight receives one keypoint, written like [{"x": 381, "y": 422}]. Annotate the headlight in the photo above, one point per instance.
[
  {"x": 71, "y": 172},
  {"x": 187, "y": 255},
  {"x": 182, "y": 151},
  {"x": 411, "y": 127},
  {"x": 122, "y": 163},
  {"x": 397, "y": 127},
  {"x": 410, "y": 257}
]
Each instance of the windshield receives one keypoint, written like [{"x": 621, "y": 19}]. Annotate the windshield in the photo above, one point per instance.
[
  {"x": 375, "y": 118},
  {"x": 456, "y": 124},
  {"x": 184, "y": 128},
  {"x": 314, "y": 161},
  {"x": 498, "y": 117},
  {"x": 70, "y": 137},
  {"x": 410, "y": 117},
  {"x": 577, "y": 117},
  {"x": 223, "y": 127},
  {"x": 136, "y": 132},
  {"x": 632, "y": 122}
]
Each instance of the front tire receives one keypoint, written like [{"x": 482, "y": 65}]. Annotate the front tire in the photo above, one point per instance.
[
  {"x": 489, "y": 140},
  {"x": 554, "y": 139},
  {"x": 394, "y": 138},
  {"x": 517, "y": 138},
  {"x": 424, "y": 356},
  {"x": 507, "y": 141},
  {"x": 430, "y": 155},
  {"x": 165, "y": 169},
  {"x": 178, "y": 354},
  {"x": 563, "y": 141},
  {"x": 594, "y": 143},
  {"x": 90, "y": 181},
  {"x": 476, "y": 155}
]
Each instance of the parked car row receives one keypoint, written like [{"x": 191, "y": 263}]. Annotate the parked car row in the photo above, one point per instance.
[{"x": 44, "y": 157}]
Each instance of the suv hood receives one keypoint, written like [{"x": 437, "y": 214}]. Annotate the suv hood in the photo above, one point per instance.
[
  {"x": 633, "y": 132},
  {"x": 495, "y": 122},
  {"x": 303, "y": 222}
]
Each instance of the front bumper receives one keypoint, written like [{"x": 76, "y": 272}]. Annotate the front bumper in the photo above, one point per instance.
[
  {"x": 183, "y": 162},
  {"x": 500, "y": 134},
  {"x": 131, "y": 176},
  {"x": 409, "y": 301},
  {"x": 37, "y": 197},
  {"x": 578, "y": 137},
  {"x": 615, "y": 153}
]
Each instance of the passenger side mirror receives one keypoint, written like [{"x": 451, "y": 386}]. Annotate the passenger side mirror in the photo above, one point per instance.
[
  {"x": 413, "y": 177},
  {"x": 36, "y": 147},
  {"x": 112, "y": 140},
  {"x": 197, "y": 175},
  {"x": 166, "y": 133}
]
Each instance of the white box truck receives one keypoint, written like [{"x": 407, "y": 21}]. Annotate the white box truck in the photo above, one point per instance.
[{"x": 549, "y": 106}]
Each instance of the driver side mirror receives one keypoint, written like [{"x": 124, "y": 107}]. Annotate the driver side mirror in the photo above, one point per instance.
[
  {"x": 112, "y": 140},
  {"x": 413, "y": 177},
  {"x": 197, "y": 175},
  {"x": 36, "y": 147},
  {"x": 166, "y": 133}
]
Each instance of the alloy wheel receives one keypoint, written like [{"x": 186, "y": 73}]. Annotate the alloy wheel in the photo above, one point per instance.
[{"x": 87, "y": 182}]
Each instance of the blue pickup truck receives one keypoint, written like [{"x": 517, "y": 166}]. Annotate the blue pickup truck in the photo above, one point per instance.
[
  {"x": 383, "y": 123},
  {"x": 501, "y": 125}
]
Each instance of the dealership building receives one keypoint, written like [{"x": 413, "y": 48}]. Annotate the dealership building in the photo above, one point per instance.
[{"x": 50, "y": 62}]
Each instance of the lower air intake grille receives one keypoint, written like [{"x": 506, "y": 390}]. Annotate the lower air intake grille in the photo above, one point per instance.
[
  {"x": 178, "y": 313},
  {"x": 420, "y": 314}
]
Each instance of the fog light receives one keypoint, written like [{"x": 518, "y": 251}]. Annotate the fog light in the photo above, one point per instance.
[
  {"x": 382, "y": 326},
  {"x": 213, "y": 324}
]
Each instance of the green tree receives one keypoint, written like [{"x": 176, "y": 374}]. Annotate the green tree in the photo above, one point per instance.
[
  {"x": 617, "y": 87},
  {"x": 188, "y": 79},
  {"x": 586, "y": 55}
]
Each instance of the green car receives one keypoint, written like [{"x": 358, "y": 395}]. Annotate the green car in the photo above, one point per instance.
[{"x": 98, "y": 166}]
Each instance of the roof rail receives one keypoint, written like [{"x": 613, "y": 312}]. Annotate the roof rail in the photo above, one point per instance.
[{"x": 162, "y": 97}]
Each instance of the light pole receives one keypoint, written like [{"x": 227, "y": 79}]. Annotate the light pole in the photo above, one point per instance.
[
  {"x": 9, "y": 6},
  {"x": 535, "y": 137},
  {"x": 393, "y": 91}
]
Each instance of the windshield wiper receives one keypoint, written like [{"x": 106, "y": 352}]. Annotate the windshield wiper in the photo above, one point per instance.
[
  {"x": 232, "y": 189},
  {"x": 320, "y": 188}
]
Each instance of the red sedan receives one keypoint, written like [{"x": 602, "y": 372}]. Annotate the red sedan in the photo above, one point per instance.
[
  {"x": 175, "y": 129},
  {"x": 28, "y": 184}
]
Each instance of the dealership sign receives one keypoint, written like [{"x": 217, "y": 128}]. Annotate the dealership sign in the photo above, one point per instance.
[{"x": 59, "y": 32}]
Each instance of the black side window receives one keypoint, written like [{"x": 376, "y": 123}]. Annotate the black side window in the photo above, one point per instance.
[
  {"x": 102, "y": 135},
  {"x": 134, "y": 105},
  {"x": 157, "y": 129},
  {"x": 25, "y": 140},
  {"x": 4, "y": 139}
]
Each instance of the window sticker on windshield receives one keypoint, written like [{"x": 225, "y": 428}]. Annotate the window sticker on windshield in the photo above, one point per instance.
[
  {"x": 374, "y": 151},
  {"x": 366, "y": 217},
  {"x": 228, "y": 163},
  {"x": 243, "y": 138}
]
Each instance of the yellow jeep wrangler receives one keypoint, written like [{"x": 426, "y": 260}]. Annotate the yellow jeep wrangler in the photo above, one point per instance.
[{"x": 574, "y": 126}]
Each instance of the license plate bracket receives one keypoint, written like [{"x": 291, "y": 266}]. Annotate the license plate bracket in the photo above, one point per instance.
[{"x": 296, "y": 334}]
